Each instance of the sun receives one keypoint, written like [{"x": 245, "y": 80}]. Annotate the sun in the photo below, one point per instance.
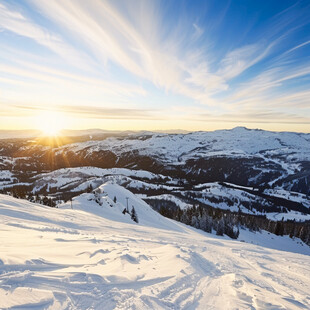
[{"x": 50, "y": 123}]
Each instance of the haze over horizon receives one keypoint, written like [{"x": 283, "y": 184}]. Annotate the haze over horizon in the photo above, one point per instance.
[{"x": 154, "y": 65}]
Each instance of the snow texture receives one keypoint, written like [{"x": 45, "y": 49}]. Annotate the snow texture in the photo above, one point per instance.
[{"x": 95, "y": 257}]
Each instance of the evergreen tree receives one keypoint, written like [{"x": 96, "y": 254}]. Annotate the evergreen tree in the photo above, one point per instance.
[
  {"x": 220, "y": 228},
  {"x": 134, "y": 215},
  {"x": 279, "y": 230},
  {"x": 45, "y": 201},
  {"x": 89, "y": 188},
  {"x": 98, "y": 197},
  {"x": 30, "y": 197}
]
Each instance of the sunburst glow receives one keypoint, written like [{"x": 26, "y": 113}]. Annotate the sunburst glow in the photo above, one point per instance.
[{"x": 50, "y": 122}]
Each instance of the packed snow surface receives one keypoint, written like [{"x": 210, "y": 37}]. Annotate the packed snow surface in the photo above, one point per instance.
[{"x": 95, "y": 257}]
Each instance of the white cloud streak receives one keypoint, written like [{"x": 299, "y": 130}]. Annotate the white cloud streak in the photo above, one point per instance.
[
  {"x": 240, "y": 59},
  {"x": 15, "y": 22}
]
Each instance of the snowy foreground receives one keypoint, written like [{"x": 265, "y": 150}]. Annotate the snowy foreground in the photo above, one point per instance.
[{"x": 76, "y": 259}]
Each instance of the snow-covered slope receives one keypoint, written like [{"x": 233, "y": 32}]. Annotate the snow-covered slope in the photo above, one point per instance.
[
  {"x": 110, "y": 200},
  {"x": 274, "y": 203},
  {"x": 80, "y": 259}
]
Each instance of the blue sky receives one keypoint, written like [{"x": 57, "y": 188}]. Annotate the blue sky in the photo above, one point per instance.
[{"x": 194, "y": 65}]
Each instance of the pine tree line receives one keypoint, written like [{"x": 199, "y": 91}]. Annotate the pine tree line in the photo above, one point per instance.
[
  {"x": 226, "y": 222},
  {"x": 203, "y": 219},
  {"x": 24, "y": 194}
]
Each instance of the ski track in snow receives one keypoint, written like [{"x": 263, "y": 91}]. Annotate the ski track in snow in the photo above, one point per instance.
[{"x": 72, "y": 259}]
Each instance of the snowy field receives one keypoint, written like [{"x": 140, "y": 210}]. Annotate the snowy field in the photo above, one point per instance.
[{"x": 93, "y": 257}]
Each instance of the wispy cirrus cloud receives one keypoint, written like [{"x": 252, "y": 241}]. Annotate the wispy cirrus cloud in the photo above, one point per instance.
[
  {"x": 198, "y": 31},
  {"x": 260, "y": 91},
  {"x": 34, "y": 79},
  {"x": 16, "y": 22},
  {"x": 45, "y": 74},
  {"x": 124, "y": 53},
  {"x": 240, "y": 59},
  {"x": 121, "y": 39},
  {"x": 93, "y": 112},
  {"x": 256, "y": 116}
]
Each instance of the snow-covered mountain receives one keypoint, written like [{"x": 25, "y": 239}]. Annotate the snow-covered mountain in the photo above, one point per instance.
[
  {"x": 240, "y": 156},
  {"x": 178, "y": 148},
  {"x": 95, "y": 257},
  {"x": 255, "y": 172}
]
